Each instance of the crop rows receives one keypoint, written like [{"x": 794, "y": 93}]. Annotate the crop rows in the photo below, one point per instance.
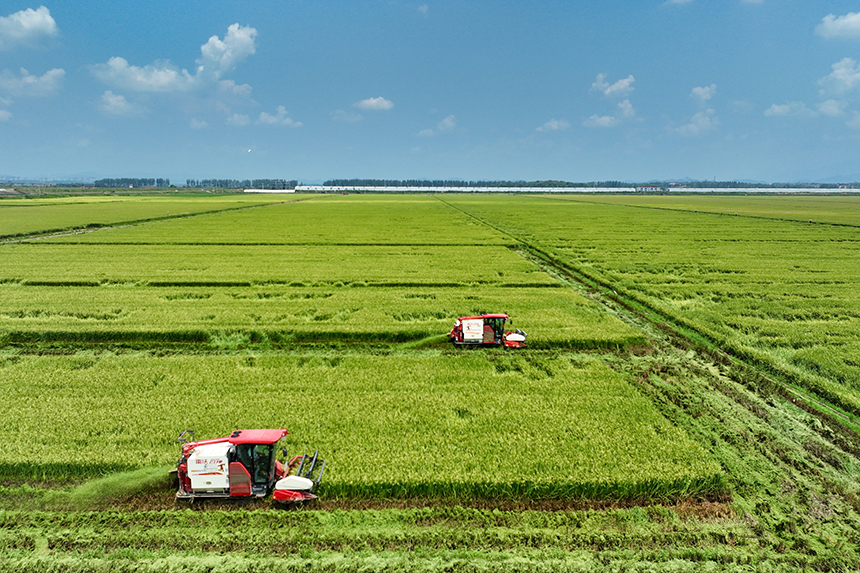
[
  {"x": 341, "y": 541},
  {"x": 836, "y": 209},
  {"x": 631, "y": 420},
  {"x": 330, "y": 220},
  {"x": 26, "y": 216},
  {"x": 782, "y": 293},
  {"x": 252, "y": 284},
  {"x": 285, "y": 265},
  {"x": 283, "y": 316},
  {"x": 484, "y": 426}
]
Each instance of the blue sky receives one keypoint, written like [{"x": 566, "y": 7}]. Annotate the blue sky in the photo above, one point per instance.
[{"x": 765, "y": 90}]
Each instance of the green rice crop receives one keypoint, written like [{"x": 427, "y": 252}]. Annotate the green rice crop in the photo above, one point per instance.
[
  {"x": 779, "y": 292},
  {"x": 283, "y": 316},
  {"x": 306, "y": 265},
  {"x": 26, "y": 216},
  {"x": 482, "y": 425},
  {"x": 837, "y": 209},
  {"x": 329, "y": 220},
  {"x": 651, "y": 539},
  {"x": 378, "y": 269}
]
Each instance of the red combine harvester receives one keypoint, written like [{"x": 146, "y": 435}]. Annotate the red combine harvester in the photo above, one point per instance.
[
  {"x": 245, "y": 465},
  {"x": 486, "y": 330}
]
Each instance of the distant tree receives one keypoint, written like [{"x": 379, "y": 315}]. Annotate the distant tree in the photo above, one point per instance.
[{"x": 132, "y": 182}]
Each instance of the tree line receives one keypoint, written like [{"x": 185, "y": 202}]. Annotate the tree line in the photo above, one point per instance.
[
  {"x": 243, "y": 183},
  {"x": 132, "y": 182}
]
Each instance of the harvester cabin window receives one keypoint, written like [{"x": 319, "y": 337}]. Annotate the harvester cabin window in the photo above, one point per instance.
[
  {"x": 262, "y": 463},
  {"x": 258, "y": 459}
]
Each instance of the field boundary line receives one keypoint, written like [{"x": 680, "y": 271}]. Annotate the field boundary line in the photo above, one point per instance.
[{"x": 251, "y": 244}]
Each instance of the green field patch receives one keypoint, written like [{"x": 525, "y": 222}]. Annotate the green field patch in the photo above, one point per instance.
[
  {"x": 278, "y": 265},
  {"x": 146, "y": 315},
  {"x": 400, "y": 220},
  {"x": 761, "y": 287},
  {"x": 420, "y": 316},
  {"x": 188, "y": 296},
  {"x": 835, "y": 209},
  {"x": 434, "y": 426},
  {"x": 27, "y": 216},
  {"x": 39, "y": 314}
]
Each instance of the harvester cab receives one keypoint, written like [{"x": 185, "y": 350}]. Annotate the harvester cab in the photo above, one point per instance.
[
  {"x": 244, "y": 465},
  {"x": 486, "y": 330}
]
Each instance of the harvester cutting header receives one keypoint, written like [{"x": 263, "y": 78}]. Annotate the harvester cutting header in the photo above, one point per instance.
[
  {"x": 486, "y": 330},
  {"x": 245, "y": 465}
]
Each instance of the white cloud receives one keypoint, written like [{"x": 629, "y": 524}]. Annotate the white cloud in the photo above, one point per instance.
[
  {"x": 198, "y": 123},
  {"x": 554, "y": 125},
  {"x": 832, "y": 108},
  {"x": 239, "y": 120},
  {"x": 218, "y": 56},
  {"x": 280, "y": 118},
  {"x": 446, "y": 124},
  {"x": 752, "y": 1},
  {"x": 618, "y": 89},
  {"x": 847, "y": 26},
  {"x": 854, "y": 121},
  {"x": 843, "y": 79},
  {"x": 678, "y": 1},
  {"x": 374, "y": 104},
  {"x": 626, "y": 111},
  {"x": 345, "y": 116},
  {"x": 785, "y": 109},
  {"x": 117, "y": 105},
  {"x": 703, "y": 94},
  {"x": 232, "y": 88},
  {"x": 29, "y": 85},
  {"x": 159, "y": 77},
  {"x": 26, "y": 26},
  {"x": 601, "y": 121},
  {"x": 829, "y": 108},
  {"x": 5, "y": 115},
  {"x": 423, "y": 8},
  {"x": 700, "y": 123}
]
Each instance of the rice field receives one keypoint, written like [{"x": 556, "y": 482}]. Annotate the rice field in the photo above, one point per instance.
[
  {"x": 475, "y": 426},
  {"x": 372, "y": 272},
  {"x": 28, "y": 216},
  {"x": 283, "y": 316},
  {"x": 606, "y": 444},
  {"x": 277, "y": 265},
  {"x": 780, "y": 292}
]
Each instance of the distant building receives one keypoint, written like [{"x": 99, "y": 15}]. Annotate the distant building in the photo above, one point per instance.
[
  {"x": 270, "y": 190},
  {"x": 649, "y": 189}
]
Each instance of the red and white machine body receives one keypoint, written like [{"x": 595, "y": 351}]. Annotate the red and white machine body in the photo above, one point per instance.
[
  {"x": 245, "y": 464},
  {"x": 486, "y": 330}
]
